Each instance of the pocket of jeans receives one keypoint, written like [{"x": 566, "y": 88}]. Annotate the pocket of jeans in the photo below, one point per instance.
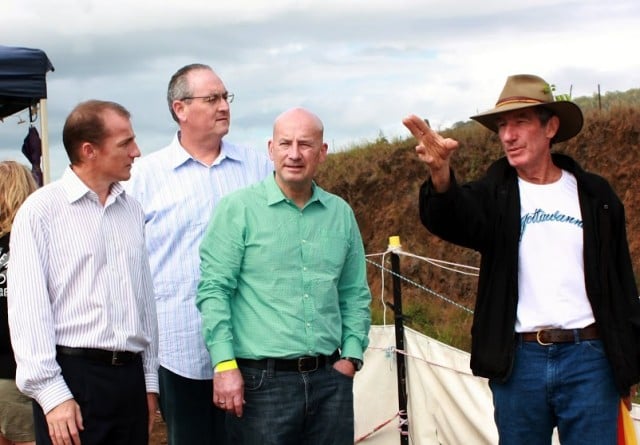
[
  {"x": 341, "y": 375},
  {"x": 594, "y": 345},
  {"x": 253, "y": 378}
]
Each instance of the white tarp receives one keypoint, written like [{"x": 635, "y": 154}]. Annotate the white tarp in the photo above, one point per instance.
[{"x": 446, "y": 403}]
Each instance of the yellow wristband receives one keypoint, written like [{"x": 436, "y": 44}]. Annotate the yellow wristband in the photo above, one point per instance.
[{"x": 226, "y": 365}]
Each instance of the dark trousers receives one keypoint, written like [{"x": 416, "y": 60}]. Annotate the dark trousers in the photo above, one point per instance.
[
  {"x": 112, "y": 399},
  {"x": 188, "y": 411}
]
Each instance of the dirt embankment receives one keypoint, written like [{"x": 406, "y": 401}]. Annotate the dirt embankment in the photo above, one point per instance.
[{"x": 381, "y": 183}]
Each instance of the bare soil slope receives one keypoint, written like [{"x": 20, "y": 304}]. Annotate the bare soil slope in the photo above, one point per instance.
[{"x": 381, "y": 183}]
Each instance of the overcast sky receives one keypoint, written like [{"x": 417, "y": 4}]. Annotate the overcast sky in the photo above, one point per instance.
[{"x": 361, "y": 65}]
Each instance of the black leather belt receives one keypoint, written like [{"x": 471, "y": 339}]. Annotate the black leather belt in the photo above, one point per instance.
[
  {"x": 551, "y": 336},
  {"x": 300, "y": 364},
  {"x": 113, "y": 358}
]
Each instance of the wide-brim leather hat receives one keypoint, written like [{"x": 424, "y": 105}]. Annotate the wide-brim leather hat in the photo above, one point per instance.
[{"x": 526, "y": 90}]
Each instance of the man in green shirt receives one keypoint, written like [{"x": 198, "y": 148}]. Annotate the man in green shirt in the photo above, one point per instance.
[{"x": 284, "y": 299}]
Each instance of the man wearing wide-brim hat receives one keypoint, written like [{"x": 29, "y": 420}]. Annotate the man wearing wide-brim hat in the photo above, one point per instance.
[{"x": 557, "y": 318}]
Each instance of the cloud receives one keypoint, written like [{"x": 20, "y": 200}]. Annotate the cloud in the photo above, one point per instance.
[{"x": 361, "y": 65}]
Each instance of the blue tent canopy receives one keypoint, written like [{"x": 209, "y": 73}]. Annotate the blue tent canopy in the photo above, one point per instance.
[{"x": 22, "y": 78}]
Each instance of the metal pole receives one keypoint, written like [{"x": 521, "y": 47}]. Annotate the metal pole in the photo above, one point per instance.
[
  {"x": 44, "y": 138},
  {"x": 400, "y": 357}
]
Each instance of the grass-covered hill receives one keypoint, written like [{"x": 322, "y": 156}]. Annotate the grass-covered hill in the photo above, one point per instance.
[{"x": 381, "y": 180}]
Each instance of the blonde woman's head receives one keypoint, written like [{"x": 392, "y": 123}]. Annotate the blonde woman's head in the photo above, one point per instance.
[{"x": 16, "y": 183}]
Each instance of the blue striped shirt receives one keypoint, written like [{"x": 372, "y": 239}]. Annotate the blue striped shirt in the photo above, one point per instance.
[
  {"x": 78, "y": 276},
  {"x": 178, "y": 195}
]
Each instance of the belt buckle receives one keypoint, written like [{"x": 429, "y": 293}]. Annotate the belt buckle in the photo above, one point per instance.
[
  {"x": 301, "y": 362},
  {"x": 115, "y": 361},
  {"x": 539, "y": 340}
]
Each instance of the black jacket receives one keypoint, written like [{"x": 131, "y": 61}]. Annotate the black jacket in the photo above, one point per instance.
[{"x": 484, "y": 215}]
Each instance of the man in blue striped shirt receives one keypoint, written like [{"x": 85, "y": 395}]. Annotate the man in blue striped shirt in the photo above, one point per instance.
[
  {"x": 81, "y": 309},
  {"x": 178, "y": 187},
  {"x": 284, "y": 299}
]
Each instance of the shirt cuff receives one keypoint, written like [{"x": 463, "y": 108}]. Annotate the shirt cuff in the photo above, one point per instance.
[
  {"x": 53, "y": 395},
  {"x": 151, "y": 382},
  {"x": 352, "y": 348},
  {"x": 221, "y": 352}
]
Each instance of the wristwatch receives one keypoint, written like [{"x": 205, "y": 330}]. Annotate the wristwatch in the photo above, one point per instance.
[{"x": 357, "y": 363}]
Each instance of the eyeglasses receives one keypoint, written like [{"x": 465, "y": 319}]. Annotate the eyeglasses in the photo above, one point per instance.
[{"x": 214, "y": 98}]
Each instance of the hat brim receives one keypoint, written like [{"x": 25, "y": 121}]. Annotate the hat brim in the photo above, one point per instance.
[{"x": 569, "y": 114}]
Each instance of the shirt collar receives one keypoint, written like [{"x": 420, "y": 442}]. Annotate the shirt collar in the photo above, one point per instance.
[
  {"x": 179, "y": 156},
  {"x": 275, "y": 195},
  {"x": 75, "y": 189}
]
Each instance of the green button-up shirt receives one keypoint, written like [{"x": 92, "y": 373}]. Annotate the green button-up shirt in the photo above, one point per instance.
[{"x": 282, "y": 282}]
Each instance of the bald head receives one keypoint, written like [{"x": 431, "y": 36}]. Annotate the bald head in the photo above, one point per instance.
[{"x": 302, "y": 115}]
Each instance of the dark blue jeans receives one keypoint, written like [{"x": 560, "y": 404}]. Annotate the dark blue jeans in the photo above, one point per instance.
[
  {"x": 568, "y": 385},
  {"x": 294, "y": 408}
]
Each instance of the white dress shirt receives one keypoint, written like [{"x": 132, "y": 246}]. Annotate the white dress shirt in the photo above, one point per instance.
[
  {"x": 178, "y": 195},
  {"x": 79, "y": 276}
]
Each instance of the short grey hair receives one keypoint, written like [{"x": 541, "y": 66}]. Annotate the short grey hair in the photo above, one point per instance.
[{"x": 179, "y": 87}]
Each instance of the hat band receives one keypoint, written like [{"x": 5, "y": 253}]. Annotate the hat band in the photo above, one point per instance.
[{"x": 520, "y": 100}]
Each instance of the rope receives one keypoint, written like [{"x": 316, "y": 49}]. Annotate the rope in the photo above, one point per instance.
[
  {"x": 392, "y": 349},
  {"x": 376, "y": 429},
  {"x": 433, "y": 261},
  {"x": 403, "y": 421},
  {"x": 382, "y": 287},
  {"x": 419, "y": 286},
  {"x": 440, "y": 263}
]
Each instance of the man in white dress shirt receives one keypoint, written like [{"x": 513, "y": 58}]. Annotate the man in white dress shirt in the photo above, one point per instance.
[
  {"x": 178, "y": 187},
  {"x": 81, "y": 307}
]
